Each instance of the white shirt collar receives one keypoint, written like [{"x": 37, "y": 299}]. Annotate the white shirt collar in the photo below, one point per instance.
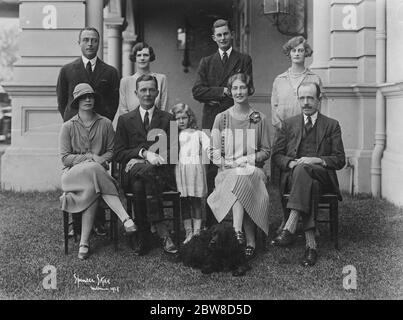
[
  {"x": 222, "y": 52},
  {"x": 313, "y": 118},
  {"x": 143, "y": 113},
  {"x": 93, "y": 61}
]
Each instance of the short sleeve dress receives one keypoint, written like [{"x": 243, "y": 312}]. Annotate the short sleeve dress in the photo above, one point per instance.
[{"x": 190, "y": 172}]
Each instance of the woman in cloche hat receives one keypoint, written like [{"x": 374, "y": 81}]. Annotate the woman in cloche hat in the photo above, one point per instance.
[{"x": 86, "y": 148}]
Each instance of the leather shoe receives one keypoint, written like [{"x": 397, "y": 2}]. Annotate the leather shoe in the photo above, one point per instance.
[
  {"x": 285, "y": 238},
  {"x": 142, "y": 247},
  {"x": 309, "y": 258},
  {"x": 169, "y": 246},
  {"x": 100, "y": 230}
]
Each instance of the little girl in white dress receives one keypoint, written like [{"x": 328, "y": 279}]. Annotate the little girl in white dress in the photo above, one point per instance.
[{"x": 190, "y": 172}]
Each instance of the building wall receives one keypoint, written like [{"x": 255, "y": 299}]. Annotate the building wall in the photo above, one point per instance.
[{"x": 392, "y": 162}]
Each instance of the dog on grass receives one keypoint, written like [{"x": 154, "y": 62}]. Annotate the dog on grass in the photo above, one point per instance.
[{"x": 215, "y": 250}]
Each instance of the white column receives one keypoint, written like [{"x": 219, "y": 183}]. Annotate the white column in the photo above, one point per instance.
[
  {"x": 127, "y": 64},
  {"x": 321, "y": 38},
  {"x": 94, "y": 16},
  {"x": 114, "y": 26}
]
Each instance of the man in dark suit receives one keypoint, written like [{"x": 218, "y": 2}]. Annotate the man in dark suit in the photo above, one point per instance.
[
  {"x": 211, "y": 89},
  {"x": 308, "y": 147},
  {"x": 89, "y": 69},
  {"x": 103, "y": 78},
  {"x": 146, "y": 172}
]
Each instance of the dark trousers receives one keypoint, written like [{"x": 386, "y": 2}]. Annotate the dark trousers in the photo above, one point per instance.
[
  {"x": 210, "y": 176},
  {"x": 148, "y": 182},
  {"x": 300, "y": 186}
]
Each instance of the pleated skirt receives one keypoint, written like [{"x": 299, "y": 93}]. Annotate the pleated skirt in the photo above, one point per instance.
[{"x": 248, "y": 185}]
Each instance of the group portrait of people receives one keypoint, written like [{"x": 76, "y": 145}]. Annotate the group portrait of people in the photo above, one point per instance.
[{"x": 217, "y": 164}]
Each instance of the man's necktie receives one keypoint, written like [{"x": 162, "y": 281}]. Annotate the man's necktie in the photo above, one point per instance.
[
  {"x": 308, "y": 124},
  {"x": 146, "y": 122},
  {"x": 224, "y": 57},
  {"x": 89, "y": 68}
]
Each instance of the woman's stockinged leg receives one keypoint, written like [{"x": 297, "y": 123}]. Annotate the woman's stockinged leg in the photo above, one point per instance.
[
  {"x": 87, "y": 221},
  {"x": 250, "y": 230},
  {"x": 116, "y": 206},
  {"x": 237, "y": 214}
]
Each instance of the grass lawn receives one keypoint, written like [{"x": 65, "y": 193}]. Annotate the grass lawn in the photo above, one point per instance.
[{"x": 31, "y": 237}]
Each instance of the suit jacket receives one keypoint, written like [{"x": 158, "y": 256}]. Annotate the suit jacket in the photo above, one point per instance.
[
  {"x": 329, "y": 146},
  {"x": 212, "y": 77},
  {"x": 131, "y": 136},
  {"x": 104, "y": 80}
]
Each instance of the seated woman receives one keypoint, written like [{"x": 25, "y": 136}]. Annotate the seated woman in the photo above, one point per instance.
[
  {"x": 240, "y": 139},
  {"x": 86, "y": 147},
  {"x": 142, "y": 55}
]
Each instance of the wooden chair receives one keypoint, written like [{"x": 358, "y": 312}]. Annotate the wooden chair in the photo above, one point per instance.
[
  {"x": 113, "y": 227},
  {"x": 326, "y": 201},
  {"x": 171, "y": 200}
]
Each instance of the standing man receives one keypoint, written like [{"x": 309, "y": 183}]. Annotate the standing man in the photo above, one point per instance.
[
  {"x": 308, "y": 147},
  {"x": 89, "y": 69},
  {"x": 146, "y": 172},
  {"x": 211, "y": 89},
  {"x": 103, "y": 78}
]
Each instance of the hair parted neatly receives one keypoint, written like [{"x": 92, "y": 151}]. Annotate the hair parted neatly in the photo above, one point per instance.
[
  {"x": 294, "y": 42},
  {"x": 140, "y": 46},
  {"x": 245, "y": 78}
]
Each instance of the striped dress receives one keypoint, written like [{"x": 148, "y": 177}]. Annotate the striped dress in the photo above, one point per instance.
[{"x": 237, "y": 138}]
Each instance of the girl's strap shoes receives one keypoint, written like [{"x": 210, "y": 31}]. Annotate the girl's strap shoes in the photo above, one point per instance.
[{"x": 83, "y": 254}]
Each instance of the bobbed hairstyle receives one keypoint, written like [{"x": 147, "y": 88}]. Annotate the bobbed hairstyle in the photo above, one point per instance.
[
  {"x": 182, "y": 107},
  {"x": 140, "y": 46},
  {"x": 245, "y": 78},
  {"x": 294, "y": 42}
]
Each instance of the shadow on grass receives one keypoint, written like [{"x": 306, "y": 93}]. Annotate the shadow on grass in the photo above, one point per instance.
[{"x": 31, "y": 237}]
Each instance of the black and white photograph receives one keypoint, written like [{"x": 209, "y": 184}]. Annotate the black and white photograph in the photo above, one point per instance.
[{"x": 200, "y": 156}]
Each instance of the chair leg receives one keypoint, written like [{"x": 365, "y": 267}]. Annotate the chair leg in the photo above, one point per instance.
[
  {"x": 335, "y": 214},
  {"x": 177, "y": 219},
  {"x": 66, "y": 231},
  {"x": 76, "y": 231},
  {"x": 115, "y": 232}
]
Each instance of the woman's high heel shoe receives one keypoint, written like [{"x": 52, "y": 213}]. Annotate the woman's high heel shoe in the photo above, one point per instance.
[
  {"x": 132, "y": 228},
  {"x": 82, "y": 255}
]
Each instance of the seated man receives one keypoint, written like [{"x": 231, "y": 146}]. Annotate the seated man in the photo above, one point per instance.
[
  {"x": 308, "y": 147},
  {"x": 146, "y": 173}
]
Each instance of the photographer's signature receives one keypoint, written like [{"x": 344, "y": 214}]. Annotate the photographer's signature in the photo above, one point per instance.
[{"x": 99, "y": 283}]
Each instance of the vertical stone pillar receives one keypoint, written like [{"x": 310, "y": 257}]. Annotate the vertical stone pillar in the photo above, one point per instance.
[
  {"x": 351, "y": 88},
  {"x": 127, "y": 64},
  {"x": 94, "y": 18},
  {"x": 48, "y": 41},
  {"x": 321, "y": 38},
  {"x": 114, "y": 27}
]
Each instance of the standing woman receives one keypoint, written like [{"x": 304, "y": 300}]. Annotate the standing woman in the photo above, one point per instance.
[
  {"x": 142, "y": 54},
  {"x": 86, "y": 148},
  {"x": 241, "y": 144},
  {"x": 284, "y": 101}
]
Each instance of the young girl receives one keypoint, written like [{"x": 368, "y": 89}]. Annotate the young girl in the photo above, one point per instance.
[{"x": 190, "y": 171}]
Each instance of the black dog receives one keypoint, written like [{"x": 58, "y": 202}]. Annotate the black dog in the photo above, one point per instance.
[{"x": 215, "y": 250}]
